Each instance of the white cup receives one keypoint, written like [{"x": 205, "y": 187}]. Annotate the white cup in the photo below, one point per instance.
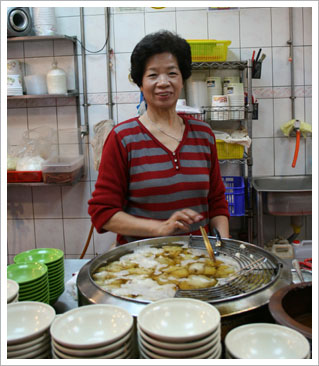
[
  {"x": 237, "y": 106},
  {"x": 230, "y": 80},
  {"x": 234, "y": 88},
  {"x": 36, "y": 84},
  {"x": 44, "y": 21}
]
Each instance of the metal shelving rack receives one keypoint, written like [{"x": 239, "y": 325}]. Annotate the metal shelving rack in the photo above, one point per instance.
[
  {"x": 246, "y": 161},
  {"x": 70, "y": 94}
]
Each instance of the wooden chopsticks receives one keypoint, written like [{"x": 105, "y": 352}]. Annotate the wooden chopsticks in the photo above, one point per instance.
[{"x": 207, "y": 244}]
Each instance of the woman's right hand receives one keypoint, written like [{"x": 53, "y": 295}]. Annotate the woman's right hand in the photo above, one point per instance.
[{"x": 179, "y": 222}]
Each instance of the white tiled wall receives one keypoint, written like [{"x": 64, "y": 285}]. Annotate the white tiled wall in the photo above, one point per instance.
[{"x": 57, "y": 216}]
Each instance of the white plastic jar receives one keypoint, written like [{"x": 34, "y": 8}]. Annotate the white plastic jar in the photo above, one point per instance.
[{"x": 56, "y": 80}]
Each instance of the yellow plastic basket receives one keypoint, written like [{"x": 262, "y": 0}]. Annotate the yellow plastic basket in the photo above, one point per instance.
[
  {"x": 229, "y": 151},
  {"x": 206, "y": 50}
]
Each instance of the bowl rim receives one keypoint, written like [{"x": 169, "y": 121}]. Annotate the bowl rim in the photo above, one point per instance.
[
  {"x": 15, "y": 286},
  {"x": 178, "y": 346},
  {"x": 62, "y": 318},
  {"x": 98, "y": 351},
  {"x": 179, "y": 339},
  {"x": 229, "y": 341},
  {"x": 280, "y": 315},
  {"x": 44, "y": 326}
]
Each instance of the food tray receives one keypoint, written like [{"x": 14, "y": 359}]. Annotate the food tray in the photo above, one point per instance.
[
  {"x": 206, "y": 50},
  {"x": 235, "y": 195},
  {"x": 229, "y": 151},
  {"x": 24, "y": 176},
  {"x": 63, "y": 169}
]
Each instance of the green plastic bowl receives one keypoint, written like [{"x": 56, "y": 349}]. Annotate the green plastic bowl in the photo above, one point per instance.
[
  {"x": 26, "y": 272},
  {"x": 41, "y": 255}
]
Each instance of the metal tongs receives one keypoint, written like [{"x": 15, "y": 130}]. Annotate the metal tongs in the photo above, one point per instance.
[{"x": 207, "y": 244}]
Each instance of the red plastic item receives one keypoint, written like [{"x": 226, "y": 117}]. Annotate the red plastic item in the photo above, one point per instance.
[
  {"x": 296, "y": 148},
  {"x": 24, "y": 176},
  {"x": 306, "y": 264}
]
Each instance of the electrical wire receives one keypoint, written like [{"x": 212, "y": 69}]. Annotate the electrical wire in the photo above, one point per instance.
[{"x": 81, "y": 44}]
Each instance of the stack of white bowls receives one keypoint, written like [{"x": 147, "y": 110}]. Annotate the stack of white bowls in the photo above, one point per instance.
[
  {"x": 179, "y": 328},
  {"x": 28, "y": 324},
  {"x": 98, "y": 331},
  {"x": 14, "y": 78},
  {"x": 235, "y": 92},
  {"x": 44, "y": 21},
  {"x": 12, "y": 291},
  {"x": 266, "y": 341}
]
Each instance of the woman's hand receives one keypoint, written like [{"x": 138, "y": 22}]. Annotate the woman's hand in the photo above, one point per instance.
[{"x": 179, "y": 222}]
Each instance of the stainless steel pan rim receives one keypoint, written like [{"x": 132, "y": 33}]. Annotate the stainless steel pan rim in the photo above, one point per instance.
[{"x": 89, "y": 292}]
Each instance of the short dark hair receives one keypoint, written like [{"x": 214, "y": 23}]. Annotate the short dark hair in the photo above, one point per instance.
[{"x": 159, "y": 42}]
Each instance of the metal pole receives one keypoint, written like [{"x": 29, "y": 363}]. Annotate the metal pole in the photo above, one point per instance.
[
  {"x": 109, "y": 65},
  {"x": 85, "y": 127},
  {"x": 291, "y": 59}
]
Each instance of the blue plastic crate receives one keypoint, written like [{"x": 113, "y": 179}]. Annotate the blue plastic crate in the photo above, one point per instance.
[{"x": 235, "y": 195}]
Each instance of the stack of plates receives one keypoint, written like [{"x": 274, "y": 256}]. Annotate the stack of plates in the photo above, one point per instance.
[
  {"x": 266, "y": 341},
  {"x": 12, "y": 291},
  {"x": 32, "y": 279},
  {"x": 179, "y": 328},
  {"x": 54, "y": 260},
  {"x": 93, "y": 331},
  {"x": 14, "y": 78},
  {"x": 28, "y": 326}
]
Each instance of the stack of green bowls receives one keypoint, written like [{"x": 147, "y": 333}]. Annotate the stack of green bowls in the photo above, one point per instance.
[
  {"x": 32, "y": 279},
  {"x": 54, "y": 260}
]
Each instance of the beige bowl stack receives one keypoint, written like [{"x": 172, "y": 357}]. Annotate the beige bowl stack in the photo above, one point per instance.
[
  {"x": 28, "y": 324},
  {"x": 179, "y": 328},
  {"x": 266, "y": 341},
  {"x": 98, "y": 331},
  {"x": 12, "y": 291}
]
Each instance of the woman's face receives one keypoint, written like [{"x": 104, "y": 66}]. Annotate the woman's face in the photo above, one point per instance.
[{"x": 162, "y": 81}]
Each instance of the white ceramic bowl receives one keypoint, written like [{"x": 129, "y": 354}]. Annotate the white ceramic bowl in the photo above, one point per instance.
[
  {"x": 122, "y": 342},
  {"x": 27, "y": 320},
  {"x": 180, "y": 346},
  {"x": 178, "y": 319},
  {"x": 12, "y": 290},
  {"x": 37, "y": 348},
  {"x": 43, "y": 338},
  {"x": 266, "y": 341},
  {"x": 198, "y": 351},
  {"x": 91, "y": 326}
]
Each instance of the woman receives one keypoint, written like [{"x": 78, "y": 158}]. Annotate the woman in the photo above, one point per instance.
[{"x": 159, "y": 174}]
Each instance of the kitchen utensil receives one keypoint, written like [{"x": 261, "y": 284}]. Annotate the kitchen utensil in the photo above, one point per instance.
[
  {"x": 12, "y": 290},
  {"x": 266, "y": 341},
  {"x": 28, "y": 320},
  {"x": 207, "y": 244},
  {"x": 36, "y": 84},
  {"x": 258, "y": 54},
  {"x": 292, "y": 306},
  {"x": 89, "y": 327},
  {"x": 253, "y": 292},
  {"x": 307, "y": 263},
  {"x": 218, "y": 242},
  {"x": 296, "y": 266},
  {"x": 178, "y": 320}
]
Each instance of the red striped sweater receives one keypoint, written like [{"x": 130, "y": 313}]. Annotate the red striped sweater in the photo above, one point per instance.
[{"x": 140, "y": 176}]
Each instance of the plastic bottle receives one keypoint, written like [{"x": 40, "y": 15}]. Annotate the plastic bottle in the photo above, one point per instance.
[{"x": 56, "y": 80}]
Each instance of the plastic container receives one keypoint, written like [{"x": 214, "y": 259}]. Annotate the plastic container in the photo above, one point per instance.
[
  {"x": 303, "y": 249},
  {"x": 284, "y": 251},
  {"x": 235, "y": 195},
  {"x": 56, "y": 80},
  {"x": 63, "y": 169},
  {"x": 229, "y": 151},
  {"x": 206, "y": 50},
  {"x": 24, "y": 176}
]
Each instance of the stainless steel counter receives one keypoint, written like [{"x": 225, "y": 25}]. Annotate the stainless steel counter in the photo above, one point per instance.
[{"x": 66, "y": 301}]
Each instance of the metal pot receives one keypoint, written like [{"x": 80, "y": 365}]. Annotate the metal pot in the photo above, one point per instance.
[
  {"x": 292, "y": 306},
  {"x": 241, "y": 297}
]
